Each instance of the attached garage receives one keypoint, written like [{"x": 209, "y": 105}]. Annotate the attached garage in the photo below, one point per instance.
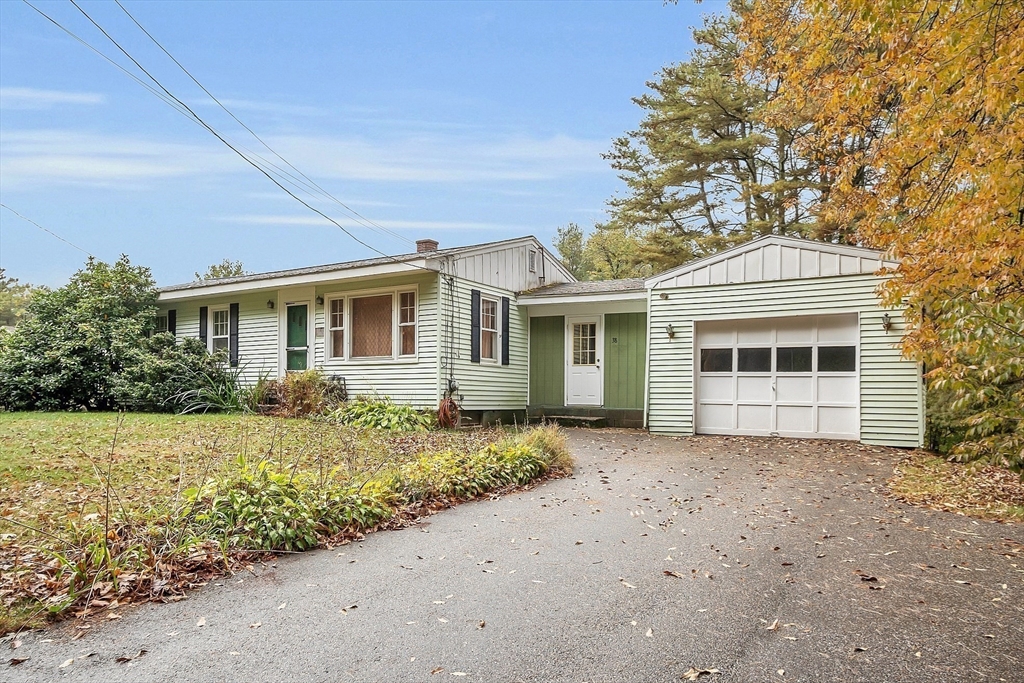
[
  {"x": 781, "y": 336},
  {"x": 794, "y": 377}
]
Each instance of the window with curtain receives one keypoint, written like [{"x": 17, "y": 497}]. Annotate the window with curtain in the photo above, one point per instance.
[{"x": 371, "y": 326}]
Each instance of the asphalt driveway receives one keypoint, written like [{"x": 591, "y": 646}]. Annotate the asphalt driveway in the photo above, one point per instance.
[{"x": 786, "y": 563}]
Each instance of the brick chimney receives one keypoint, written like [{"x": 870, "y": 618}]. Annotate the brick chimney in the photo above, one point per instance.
[{"x": 425, "y": 245}]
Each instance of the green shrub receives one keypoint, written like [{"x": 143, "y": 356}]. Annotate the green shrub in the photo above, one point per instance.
[
  {"x": 76, "y": 340},
  {"x": 452, "y": 475},
  {"x": 260, "y": 507},
  {"x": 160, "y": 374},
  {"x": 383, "y": 414}
]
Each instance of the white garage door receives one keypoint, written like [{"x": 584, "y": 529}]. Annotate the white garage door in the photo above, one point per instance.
[{"x": 785, "y": 376}]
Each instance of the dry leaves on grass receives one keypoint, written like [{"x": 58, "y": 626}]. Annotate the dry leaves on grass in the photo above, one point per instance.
[{"x": 930, "y": 481}]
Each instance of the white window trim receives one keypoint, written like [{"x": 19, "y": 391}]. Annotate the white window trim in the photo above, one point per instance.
[
  {"x": 415, "y": 324},
  {"x": 396, "y": 338},
  {"x": 210, "y": 327},
  {"x": 497, "y": 331},
  {"x": 329, "y": 328},
  {"x": 156, "y": 324}
]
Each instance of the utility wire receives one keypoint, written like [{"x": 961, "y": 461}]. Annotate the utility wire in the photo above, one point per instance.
[
  {"x": 360, "y": 218},
  {"x": 164, "y": 98},
  {"x": 234, "y": 149},
  {"x": 46, "y": 230}
]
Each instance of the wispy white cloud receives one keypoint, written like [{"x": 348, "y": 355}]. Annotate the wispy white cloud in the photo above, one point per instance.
[
  {"x": 269, "y": 107},
  {"x": 444, "y": 158},
  {"x": 47, "y": 157},
  {"x": 281, "y": 220},
  {"x": 34, "y": 98},
  {"x": 39, "y": 157}
]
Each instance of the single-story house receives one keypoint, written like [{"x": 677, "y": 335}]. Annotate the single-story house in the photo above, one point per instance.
[{"x": 778, "y": 336}]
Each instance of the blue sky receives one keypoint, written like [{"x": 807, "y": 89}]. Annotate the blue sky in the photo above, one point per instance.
[{"x": 464, "y": 122}]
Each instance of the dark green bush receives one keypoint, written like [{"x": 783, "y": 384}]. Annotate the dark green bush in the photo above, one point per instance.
[
  {"x": 162, "y": 375},
  {"x": 76, "y": 340}
]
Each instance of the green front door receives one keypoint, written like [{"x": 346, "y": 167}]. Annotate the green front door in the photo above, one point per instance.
[{"x": 297, "y": 336}]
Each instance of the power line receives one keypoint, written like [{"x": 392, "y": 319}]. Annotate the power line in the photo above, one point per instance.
[
  {"x": 232, "y": 147},
  {"x": 366, "y": 221},
  {"x": 46, "y": 230}
]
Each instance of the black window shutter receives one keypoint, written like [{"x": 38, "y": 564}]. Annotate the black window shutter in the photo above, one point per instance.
[
  {"x": 203, "y": 314},
  {"x": 233, "y": 335},
  {"x": 172, "y": 321},
  {"x": 504, "y": 330},
  {"x": 474, "y": 326}
]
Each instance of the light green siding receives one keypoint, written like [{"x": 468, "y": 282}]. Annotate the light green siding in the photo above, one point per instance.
[
  {"x": 412, "y": 380},
  {"x": 488, "y": 385},
  {"x": 257, "y": 330},
  {"x": 890, "y": 386},
  {"x": 625, "y": 349},
  {"x": 547, "y": 361}
]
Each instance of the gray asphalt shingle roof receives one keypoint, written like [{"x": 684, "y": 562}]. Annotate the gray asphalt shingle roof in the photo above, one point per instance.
[
  {"x": 331, "y": 267},
  {"x": 631, "y": 284}
]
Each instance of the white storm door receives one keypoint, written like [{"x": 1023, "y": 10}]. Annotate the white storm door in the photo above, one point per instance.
[{"x": 584, "y": 386}]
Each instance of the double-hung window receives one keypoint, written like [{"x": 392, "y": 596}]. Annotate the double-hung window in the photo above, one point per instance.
[
  {"x": 336, "y": 325},
  {"x": 407, "y": 324},
  {"x": 220, "y": 328},
  {"x": 161, "y": 324},
  {"x": 372, "y": 326},
  {"x": 489, "y": 329}
]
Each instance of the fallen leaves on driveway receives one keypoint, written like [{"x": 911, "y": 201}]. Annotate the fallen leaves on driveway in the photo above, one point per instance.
[{"x": 694, "y": 673}]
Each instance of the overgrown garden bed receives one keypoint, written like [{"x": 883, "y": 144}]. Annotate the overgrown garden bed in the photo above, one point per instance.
[{"x": 98, "y": 510}]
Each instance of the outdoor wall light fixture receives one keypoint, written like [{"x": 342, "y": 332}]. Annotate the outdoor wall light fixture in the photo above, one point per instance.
[
  {"x": 319, "y": 301},
  {"x": 670, "y": 331},
  {"x": 270, "y": 304},
  {"x": 886, "y": 322}
]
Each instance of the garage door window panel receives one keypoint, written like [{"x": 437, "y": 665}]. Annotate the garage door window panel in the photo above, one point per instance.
[
  {"x": 837, "y": 359},
  {"x": 716, "y": 360},
  {"x": 793, "y": 359},
  {"x": 754, "y": 360}
]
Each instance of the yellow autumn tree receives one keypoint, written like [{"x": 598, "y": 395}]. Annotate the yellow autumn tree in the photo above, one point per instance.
[{"x": 918, "y": 114}]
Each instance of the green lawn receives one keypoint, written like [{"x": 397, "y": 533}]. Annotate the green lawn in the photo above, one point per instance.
[
  {"x": 59, "y": 556},
  {"x": 52, "y": 464}
]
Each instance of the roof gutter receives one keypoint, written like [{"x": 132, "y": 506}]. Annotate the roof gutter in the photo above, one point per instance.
[
  {"x": 596, "y": 297},
  {"x": 205, "y": 290}
]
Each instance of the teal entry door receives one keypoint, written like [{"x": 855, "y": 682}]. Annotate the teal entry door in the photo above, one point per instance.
[{"x": 297, "y": 337}]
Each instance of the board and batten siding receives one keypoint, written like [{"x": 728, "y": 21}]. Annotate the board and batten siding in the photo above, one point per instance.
[
  {"x": 507, "y": 267},
  {"x": 625, "y": 350},
  {"x": 547, "y": 361},
  {"x": 257, "y": 330},
  {"x": 412, "y": 380},
  {"x": 891, "y": 393},
  {"x": 488, "y": 385}
]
